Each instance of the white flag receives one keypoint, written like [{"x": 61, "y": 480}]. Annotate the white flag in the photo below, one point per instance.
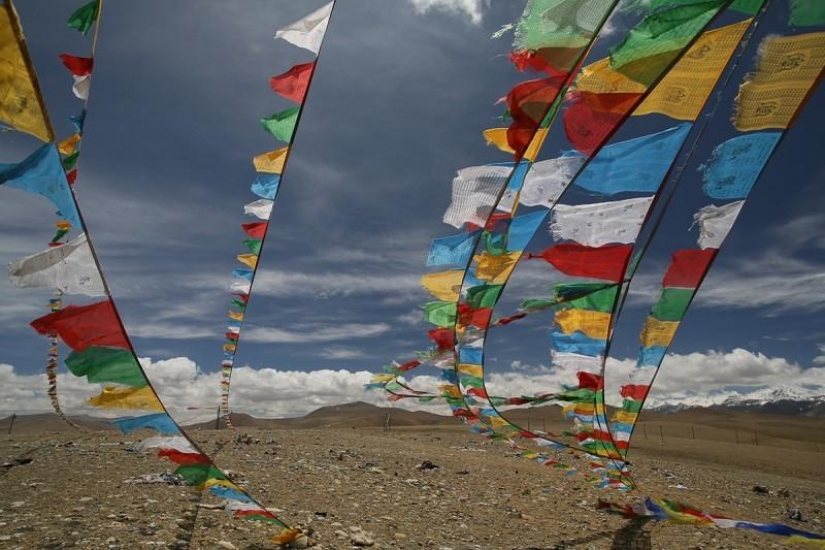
[
  {"x": 600, "y": 223},
  {"x": 547, "y": 180},
  {"x": 475, "y": 190},
  {"x": 308, "y": 32},
  {"x": 261, "y": 209},
  {"x": 715, "y": 223},
  {"x": 70, "y": 268},
  {"x": 177, "y": 443},
  {"x": 81, "y": 86}
]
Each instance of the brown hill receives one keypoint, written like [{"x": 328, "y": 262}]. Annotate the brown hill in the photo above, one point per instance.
[{"x": 50, "y": 422}]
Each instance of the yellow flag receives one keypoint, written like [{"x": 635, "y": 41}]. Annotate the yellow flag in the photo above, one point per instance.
[
  {"x": 496, "y": 269},
  {"x": 470, "y": 370},
  {"x": 624, "y": 416},
  {"x": 599, "y": 78},
  {"x": 450, "y": 390},
  {"x": 497, "y": 421},
  {"x": 68, "y": 145},
  {"x": 444, "y": 285},
  {"x": 235, "y": 315},
  {"x": 498, "y": 137},
  {"x": 658, "y": 333},
  {"x": 380, "y": 378},
  {"x": 127, "y": 398},
  {"x": 21, "y": 105},
  {"x": 229, "y": 348},
  {"x": 594, "y": 324},
  {"x": 249, "y": 259},
  {"x": 271, "y": 162},
  {"x": 787, "y": 69},
  {"x": 682, "y": 93}
]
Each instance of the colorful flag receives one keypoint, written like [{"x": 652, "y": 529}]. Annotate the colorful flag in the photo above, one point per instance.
[
  {"x": 715, "y": 223},
  {"x": 282, "y": 124},
  {"x": 80, "y": 327}
]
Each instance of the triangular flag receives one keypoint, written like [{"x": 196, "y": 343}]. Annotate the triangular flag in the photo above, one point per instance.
[
  {"x": 84, "y": 16},
  {"x": 293, "y": 84},
  {"x": 308, "y": 33}
]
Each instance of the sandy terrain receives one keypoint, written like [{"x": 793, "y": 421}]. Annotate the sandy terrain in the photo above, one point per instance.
[{"x": 335, "y": 480}]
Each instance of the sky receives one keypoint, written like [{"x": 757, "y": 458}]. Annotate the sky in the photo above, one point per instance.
[{"x": 400, "y": 97}]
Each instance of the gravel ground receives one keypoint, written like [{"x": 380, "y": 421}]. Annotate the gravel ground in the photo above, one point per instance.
[{"x": 362, "y": 487}]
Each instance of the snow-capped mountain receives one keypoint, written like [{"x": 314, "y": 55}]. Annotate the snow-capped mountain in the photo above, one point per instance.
[{"x": 797, "y": 400}]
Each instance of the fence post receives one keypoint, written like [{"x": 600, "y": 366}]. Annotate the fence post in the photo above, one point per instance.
[
  {"x": 644, "y": 427},
  {"x": 737, "y": 436},
  {"x": 693, "y": 432},
  {"x": 662, "y": 435},
  {"x": 756, "y": 437}
]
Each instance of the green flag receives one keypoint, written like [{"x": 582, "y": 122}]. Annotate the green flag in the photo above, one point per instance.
[
  {"x": 672, "y": 304},
  {"x": 805, "y": 13},
  {"x": 84, "y": 16},
  {"x": 442, "y": 314},
  {"x": 483, "y": 296},
  {"x": 102, "y": 364},
  {"x": 282, "y": 125},
  {"x": 594, "y": 296},
  {"x": 254, "y": 246}
]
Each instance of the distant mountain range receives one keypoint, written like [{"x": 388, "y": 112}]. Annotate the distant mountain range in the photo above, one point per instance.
[{"x": 783, "y": 401}]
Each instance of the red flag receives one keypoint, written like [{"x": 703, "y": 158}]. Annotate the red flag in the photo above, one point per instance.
[
  {"x": 409, "y": 365},
  {"x": 687, "y": 267},
  {"x": 589, "y": 381},
  {"x": 591, "y": 118},
  {"x": 510, "y": 319},
  {"x": 83, "y": 326},
  {"x": 632, "y": 391},
  {"x": 469, "y": 317},
  {"x": 293, "y": 83},
  {"x": 553, "y": 61},
  {"x": 255, "y": 230},
  {"x": 186, "y": 459},
  {"x": 242, "y": 297},
  {"x": 478, "y": 392},
  {"x": 529, "y": 102},
  {"x": 443, "y": 338},
  {"x": 78, "y": 66},
  {"x": 605, "y": 262},
  {"x": 71, "y": 176}
]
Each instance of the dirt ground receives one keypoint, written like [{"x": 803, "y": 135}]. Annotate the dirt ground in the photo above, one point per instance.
[{"x": 364, "y": 486}]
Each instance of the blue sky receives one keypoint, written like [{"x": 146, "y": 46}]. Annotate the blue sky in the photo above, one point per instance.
[{"x": 402, "y": 92}]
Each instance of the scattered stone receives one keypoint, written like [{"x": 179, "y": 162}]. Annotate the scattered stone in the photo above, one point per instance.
[
  {"x": 761, "y": 489},
  {"x": 226, "y": 544},
  {"x": 795, "y": 514},
  {"x": 427, "y": 465}
]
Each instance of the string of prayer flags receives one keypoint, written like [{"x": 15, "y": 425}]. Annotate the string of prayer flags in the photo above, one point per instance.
[
  {"x": 293, "y": 85},
  {"x": 674, "y": 512},
  {"x": 21, "y": 106}
]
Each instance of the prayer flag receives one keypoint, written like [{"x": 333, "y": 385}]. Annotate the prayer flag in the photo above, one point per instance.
[
  {"x": 42, "y": 173},
  {"x": 688, "y": 267},
  {"x": 308, "y": 32},
  {"x": 103, "y": 364},
  {"x": 127, "y": 398},
  {"x": 605, "y": 262},
  {"x": 282, "y": 124},
  {"x": 715, "y": 223},
  {"x": 600, "y": 223},
  {"x": 80, "y": 327},
  {"x": 21, "y": 104},
  {"x": 293, "y": 84},
  {"x": 84, "y": 16},
  {"x": 70, "y": 268},
  {"x": 736, "y": 164},
  {"x": 271, "y": 162}
]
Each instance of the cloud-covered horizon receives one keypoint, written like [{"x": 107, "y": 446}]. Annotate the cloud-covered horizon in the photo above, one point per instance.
[{"x": 192, "y": 394}]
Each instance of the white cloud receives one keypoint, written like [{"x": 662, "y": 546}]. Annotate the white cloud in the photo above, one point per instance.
[
  {"x": 342, "y": 353},
  {"x": 191, "y": 394},
  {"x": 820, "y": 359},
  {"x": 314, "y": 333},
  {"x": 474, "y": 9}
]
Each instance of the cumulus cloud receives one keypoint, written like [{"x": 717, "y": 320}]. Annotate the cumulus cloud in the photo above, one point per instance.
[
  {"x": 191, "y": 394},
  {"x": 473, "y": 9}
]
